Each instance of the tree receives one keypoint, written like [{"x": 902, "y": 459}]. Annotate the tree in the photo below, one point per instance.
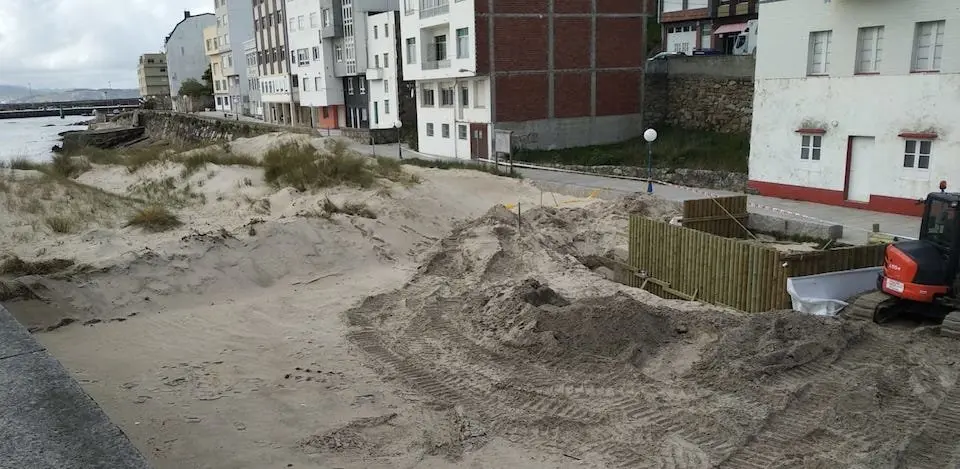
[
  {"x": 195, "y": 89},
  {"x": 207, "y": 76}
]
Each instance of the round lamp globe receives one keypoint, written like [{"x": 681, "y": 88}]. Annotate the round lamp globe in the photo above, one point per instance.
[{"x": 650, "y": 135}]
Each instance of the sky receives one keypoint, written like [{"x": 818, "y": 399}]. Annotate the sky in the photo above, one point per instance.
[{"x": 84, "y": 43}]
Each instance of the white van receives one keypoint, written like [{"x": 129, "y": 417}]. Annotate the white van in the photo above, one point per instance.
[{"x": 746, "y": 43}]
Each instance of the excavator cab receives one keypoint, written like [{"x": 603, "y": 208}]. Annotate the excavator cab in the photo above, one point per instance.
[{"x": 920, "y": 276}]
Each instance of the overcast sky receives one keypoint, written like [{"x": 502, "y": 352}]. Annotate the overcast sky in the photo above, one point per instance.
[{"x": 84, "y": 43}]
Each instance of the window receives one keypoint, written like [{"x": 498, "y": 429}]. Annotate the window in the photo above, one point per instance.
[
  {"x": 350, "y": 85},
  {"x": 386, "y": 60},
  {"x": 300, "y": 22},
  {"x": 375, "y": 35},
  {"x": 818, "y": 62},
  {"x": 917, "y": 154},
  {"x": 429, "y": 129},
  {"x": 325, "y": 17},
  {"x": 314, "y": 20},
  {"x": 445, "y": 130},
  {"x": 363, "y": 85},
  {"x": 411, "y": 50},
  {"x": 386, "y": 30},
  {"x": 429, "y": 99},
  {"x": 464, "y": 96},
  {"x": 386, "y": 86},
  {"x": 306, "y": 84},
  {"x": 810, "y": 147},
  {"x": 440, "y": 47},
  {"x": 163, "y": 70},
  {"x": 479, "y": 94},
  {"x": 376, "y": 112},
  {"x": 928, "y": 46},
  {"x": 318, "y": 83},
  {"x": 376, "y": 61},
  {"x": 462, "y": 132},
  {"x": 869, "y": 49},
  {"x": 316, "y": 52},
  {"x": 463, "y": 43},
  {"x": 339, "y": 53},
  {"x": 293, "y": 24},
  {"x": 446, "y": 96},
  {"x": 386, "y": 106}
]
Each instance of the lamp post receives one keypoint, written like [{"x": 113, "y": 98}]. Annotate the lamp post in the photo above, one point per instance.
[
  {"x": 399, "y": 124},
  {"x": 650, "y": 135}
]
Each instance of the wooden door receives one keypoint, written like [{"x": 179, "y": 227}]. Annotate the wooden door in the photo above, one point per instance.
[{"x": 479, "y": 142}]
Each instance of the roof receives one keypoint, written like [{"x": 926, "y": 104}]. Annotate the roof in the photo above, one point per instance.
[{"x": 167, "y": 39}]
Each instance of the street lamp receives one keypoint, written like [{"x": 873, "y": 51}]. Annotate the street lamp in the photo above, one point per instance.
[
  {"x": 399, "y": 124},
  {"x": 650, "y": 135}
]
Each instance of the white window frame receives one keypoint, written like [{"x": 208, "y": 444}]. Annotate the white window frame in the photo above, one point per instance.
[
  {"x": 411, "y": 43},
  {"x": 462, "y": 131},
  {"x": 818, "y": 53},
  {"x": 869, "y": 49},
  {"x": 445, "y": 130},
  {"x": 386, "y": 106},
  {"x": 363, "y": 85},
  {"x": 928, "y": 46},
  {"x": 314, "y": 20},
  {"x": 811, "y": 147},
  {"x": 917, "y": 155},
  {"x": 463, "y": 43},
  {"x": 447, "y": 91},
  {"x": 429, "y": 129},
  {"x": 428, "y": 97}
]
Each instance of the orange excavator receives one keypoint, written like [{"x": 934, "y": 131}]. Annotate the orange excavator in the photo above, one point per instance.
[{"x": 920, "y": 277}]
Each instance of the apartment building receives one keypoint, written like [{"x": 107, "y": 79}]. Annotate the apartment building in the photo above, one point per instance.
[
  {"x": 689, "y": 25},
  {"x": 854, "y": 102},
  {"x": 311, "y": 27},
  {"x": 152, "y": 76},
  {"x": 391, "y": 100},
  {"x": 185, "y": 51},
  {"x": 253, "y": 78},
  {"x": 279, "y": 91},
  {"x": 221, "y": 93},
  {"x": 234, "y": 26},
  {"x": 557, "y": 74}
]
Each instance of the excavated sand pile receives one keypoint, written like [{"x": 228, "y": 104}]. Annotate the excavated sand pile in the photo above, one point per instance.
[{"x": 504, "y": 322}]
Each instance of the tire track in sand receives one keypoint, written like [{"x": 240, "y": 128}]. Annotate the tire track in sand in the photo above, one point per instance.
[{"x": 937, "y": 445}]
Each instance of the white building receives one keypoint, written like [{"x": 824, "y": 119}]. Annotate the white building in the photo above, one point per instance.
[
  {"x": 384, "y": 73},
  {"x": 452, "y": 100},
  {"x": 855, "y": 102},
  {"x": 221, "y": 93},
  {"x": 184, "y": 48},
  {"x": 310, "y": 28},
  {"x": 279, "y": 91},
  {"x": 253, "y": 78},
  {"x": 234, "y": 27}
]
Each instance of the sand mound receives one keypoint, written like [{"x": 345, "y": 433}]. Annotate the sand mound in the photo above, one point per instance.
[
  {"x": 534, "y": 317},
  {"x": 772, "y": 343}
]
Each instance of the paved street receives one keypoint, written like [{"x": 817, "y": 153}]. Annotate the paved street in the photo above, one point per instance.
[{"x": 856, "y": 223}]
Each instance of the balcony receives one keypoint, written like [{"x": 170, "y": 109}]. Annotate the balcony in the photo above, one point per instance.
[
  {"x": 435, "y": 64},
  {"x": 431, "y": 8},
  {"x": 374, "y": 74}
]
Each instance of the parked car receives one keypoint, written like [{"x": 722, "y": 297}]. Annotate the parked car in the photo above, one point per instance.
[
  {"x": 707, "y": 52},
  {"x": 666, "y": 55}
]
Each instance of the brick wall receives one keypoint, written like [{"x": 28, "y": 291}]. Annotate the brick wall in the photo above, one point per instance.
[{"x": 587, "y": 62}]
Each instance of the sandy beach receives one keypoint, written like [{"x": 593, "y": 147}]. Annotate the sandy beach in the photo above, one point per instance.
[{"x": 420, "y": 322}]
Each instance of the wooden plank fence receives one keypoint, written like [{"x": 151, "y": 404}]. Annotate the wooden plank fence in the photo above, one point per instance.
[
  {"x": 679, "y": 262},
  {"x": 722, "y": 216}
]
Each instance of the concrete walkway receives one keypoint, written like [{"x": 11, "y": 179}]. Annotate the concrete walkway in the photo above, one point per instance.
[
  {"x": 46, "y": 420},
  {"x": 856, "y": 223}
]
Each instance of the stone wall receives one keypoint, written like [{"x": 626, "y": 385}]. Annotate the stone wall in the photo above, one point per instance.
[
  {"x": 706, "y": 179},
  {"x": 184, "y": 128},
  {"x": 712, "y": 93}
]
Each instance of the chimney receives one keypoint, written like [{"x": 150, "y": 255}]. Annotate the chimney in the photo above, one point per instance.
[{"x": 186, "y": 14}]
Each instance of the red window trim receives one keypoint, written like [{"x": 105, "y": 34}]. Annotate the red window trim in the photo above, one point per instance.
[
  {"x": 919, "y": 135},
  {"x": 811, "y": 131}
]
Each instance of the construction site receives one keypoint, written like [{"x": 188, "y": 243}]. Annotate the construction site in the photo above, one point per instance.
[{"x": 464, "y": 319}]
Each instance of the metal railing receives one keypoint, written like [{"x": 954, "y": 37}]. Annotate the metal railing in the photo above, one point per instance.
[
  {"x": 433, "y": 8},
  {"x": 435, "y": 64}
]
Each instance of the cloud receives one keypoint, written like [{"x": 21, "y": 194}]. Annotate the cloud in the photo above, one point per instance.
[{"x": 84, "y": 43}]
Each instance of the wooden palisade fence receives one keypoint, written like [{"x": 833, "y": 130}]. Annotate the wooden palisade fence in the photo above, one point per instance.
[{"x": 680, "y": 262}]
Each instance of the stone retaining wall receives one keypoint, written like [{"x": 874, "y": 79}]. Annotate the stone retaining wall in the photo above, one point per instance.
[
  {"x": 185, "y": 128},
  {"x": 706, "y": 179}
]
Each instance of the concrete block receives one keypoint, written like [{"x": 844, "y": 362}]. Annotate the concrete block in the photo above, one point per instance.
[
  {"x": 790, "y": 227},
  {"x": 14, "y": 338},
  {"x": 48, "y": 421}
]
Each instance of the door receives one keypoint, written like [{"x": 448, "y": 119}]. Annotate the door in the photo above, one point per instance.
[
  {"x": 479, "y": 144},
  {"x": 859, "y": 160}
]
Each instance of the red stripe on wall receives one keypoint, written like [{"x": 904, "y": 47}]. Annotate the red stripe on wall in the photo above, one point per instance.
[{"x": 878, "y": 203}]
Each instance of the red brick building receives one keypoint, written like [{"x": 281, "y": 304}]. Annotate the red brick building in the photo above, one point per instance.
[{"x": 558, "y": 73}]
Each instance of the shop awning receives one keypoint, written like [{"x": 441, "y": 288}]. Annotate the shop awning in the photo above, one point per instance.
[{"x": 731, "y": 28}]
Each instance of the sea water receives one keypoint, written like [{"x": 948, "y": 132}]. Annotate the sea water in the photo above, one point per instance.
[{"x": 32, "y": 138}]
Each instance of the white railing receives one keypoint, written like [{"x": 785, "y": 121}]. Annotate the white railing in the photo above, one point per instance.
[
  {"x": 429, "y": 8},
  {"x": 435, "y": 64}
]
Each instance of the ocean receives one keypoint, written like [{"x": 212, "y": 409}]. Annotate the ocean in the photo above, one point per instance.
[{"x": 32, "y": 138}]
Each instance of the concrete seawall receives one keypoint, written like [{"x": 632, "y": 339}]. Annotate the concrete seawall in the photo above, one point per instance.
[{"x": 187, "y": 128}]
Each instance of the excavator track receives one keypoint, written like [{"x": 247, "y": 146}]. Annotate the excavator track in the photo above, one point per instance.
[
  {"x": 865, "y": 307},
  {"x": 950, "y": 327}
]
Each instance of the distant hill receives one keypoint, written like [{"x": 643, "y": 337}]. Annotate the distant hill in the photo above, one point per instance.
[{"x": 22, "y": 94}]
